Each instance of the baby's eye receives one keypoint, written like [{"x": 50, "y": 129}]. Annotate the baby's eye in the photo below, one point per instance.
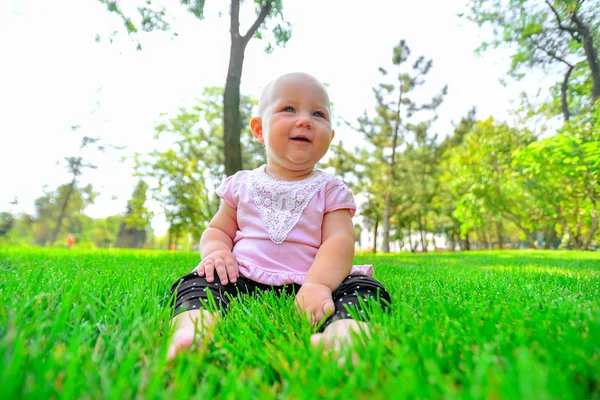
[
  {"x": 319, "y": 114},
  {"x": 288, "y": 109}
]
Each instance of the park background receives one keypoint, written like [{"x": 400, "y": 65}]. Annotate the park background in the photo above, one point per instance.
[
  {"x": 114, "y": 126},
  {"x": 120, "y": 118}
]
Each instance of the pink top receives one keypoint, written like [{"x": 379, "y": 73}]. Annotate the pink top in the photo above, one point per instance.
[{"x": 279, "y": 222}]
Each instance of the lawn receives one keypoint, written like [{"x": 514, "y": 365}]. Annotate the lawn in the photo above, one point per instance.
[{"x": 82, "y": 324}]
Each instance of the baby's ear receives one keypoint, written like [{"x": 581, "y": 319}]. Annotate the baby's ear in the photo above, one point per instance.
[
  {"x": 257, "y": 130},
  {"x": 332, "y": 135}
]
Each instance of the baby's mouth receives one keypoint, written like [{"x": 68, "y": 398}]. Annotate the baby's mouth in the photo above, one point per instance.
[{"x": 301, "y": 139}]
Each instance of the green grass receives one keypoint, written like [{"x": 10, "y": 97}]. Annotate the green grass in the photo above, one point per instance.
[{"x": 76, "y": 324}]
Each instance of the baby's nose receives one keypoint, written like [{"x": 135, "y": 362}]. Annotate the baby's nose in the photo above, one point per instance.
[{"x": 304, "y": 120}]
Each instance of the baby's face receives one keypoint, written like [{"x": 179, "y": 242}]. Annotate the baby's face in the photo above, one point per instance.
[{"x": 296, "y": 123}]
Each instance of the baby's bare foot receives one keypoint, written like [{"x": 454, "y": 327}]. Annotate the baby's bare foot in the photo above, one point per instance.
[
  {"x": 182, "y": 340},
  {"x": 191, "y": 328},
  {"x": 340, "y": 334}
]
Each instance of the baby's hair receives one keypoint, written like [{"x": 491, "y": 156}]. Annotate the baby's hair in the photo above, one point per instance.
[{"x": 264, "y": 99}]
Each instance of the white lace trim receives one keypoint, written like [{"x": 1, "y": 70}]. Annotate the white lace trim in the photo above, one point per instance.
[{"x": 281, "y": 203}]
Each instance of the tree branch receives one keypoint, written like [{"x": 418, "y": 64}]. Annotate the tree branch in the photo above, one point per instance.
[
  {"x": 549, "y": 53},
  {"x": 569, "y": 29},
  {"x": 264, "y": 12},
  {"x": 563, "y": 93}
]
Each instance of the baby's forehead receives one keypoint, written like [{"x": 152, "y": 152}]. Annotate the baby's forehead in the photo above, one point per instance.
[{"x": 281, "y": 86}]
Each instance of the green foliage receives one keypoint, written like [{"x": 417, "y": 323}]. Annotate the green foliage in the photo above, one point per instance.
[
  {"x": 136, "y": 221},
  {"x": 196, "y": 7},
  {"x": 81, "y": 324},
  {"x": 563, "y": 174},
  {"x": 498, "y": 177},
  {"x": 548, "y": 35},
  {"x": 153, "y": 16},
  {"x": 105, "y": 231},
  {"x": 184, "y": 176},
  {"x": 27, "y": 230},
  {"x": 482, "y": 179},
  {"x": 137, "y": 215},
  {"x": 6, "y": 223},
  {"x": 48, "y": 209},
  {"x": 400, "y": 168}
]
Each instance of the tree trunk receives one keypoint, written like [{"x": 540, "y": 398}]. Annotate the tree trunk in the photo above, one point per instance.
[
  {"x": 563, "y": 93},
  {"x": 549, "y": 236},
  {"x": 386, "y": 223},
  {"x": 375, "y": 236},
  {"x": 499, "y": 235},
  {"x": 231, "y": 108},
  {"x": 527, "y": 232},
  {"x": 572, "y": 237},
  {"x": 422, "y": 232},
  {"x": 467, "y": 242},
  {"x": 578, "y": 237},
  {"x": 232, "y": 126},
  {"x": 488, "y": 238},
  {"x": 586, "y": 244},
  {"x": 63, "y": 210},
  {"x": 410, "y": 242},
  {"x": 591, "y": 55}
]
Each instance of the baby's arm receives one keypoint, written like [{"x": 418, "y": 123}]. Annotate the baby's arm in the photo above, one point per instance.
[
  {"x": 216, "y": 245},
  {"x": 332, "y": 264}
]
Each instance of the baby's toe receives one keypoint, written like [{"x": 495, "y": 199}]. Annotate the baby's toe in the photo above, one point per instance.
[
  {"x": 182, "y": 340},
  {"x": 321, "y": 339}
]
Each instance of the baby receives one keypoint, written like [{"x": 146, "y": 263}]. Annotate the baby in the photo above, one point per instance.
[{"x": 283, "y": 227}]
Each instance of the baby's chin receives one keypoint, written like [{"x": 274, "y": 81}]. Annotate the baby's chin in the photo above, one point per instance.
[
  {"x": 300, "y": 163},
  {"x": 303, "y": 160}
]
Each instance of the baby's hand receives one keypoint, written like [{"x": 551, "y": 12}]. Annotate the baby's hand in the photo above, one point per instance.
[
  {"x": 224, "y": 262},
  {"x": 315, "y": 300}
]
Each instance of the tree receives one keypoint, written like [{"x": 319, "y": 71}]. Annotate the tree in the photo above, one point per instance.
[
  {"x": 183, "y": 177},
  {"x": 105, "y": 230},
  {"x": 484, "y": 182},
  {"x": 153, "y": 18},
  {"x": 544, "y": 35},
  {"x": 388, "y": 130},
  {"x": 22, "y": 229},
  {"x": 6, "y": 223},
  {"x": 444, "y": 201},
  {"x": 562, "y": 173},
  {"x": 62, "y": 206},
  {"x": 75, "y": 166},
  {"x": 371, "y": 213},
  {"x": 133, "y": 226}
]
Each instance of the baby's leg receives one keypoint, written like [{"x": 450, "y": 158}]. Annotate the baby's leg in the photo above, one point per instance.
[
  {"x": 193, "y": 322},
  {"x": 340, "y": 332},
  {"x": 341, "y": 329},
  {"x": 191, "y": 327}
]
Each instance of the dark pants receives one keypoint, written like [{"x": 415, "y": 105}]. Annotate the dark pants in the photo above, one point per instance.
[{"x": 192, "y": 294}]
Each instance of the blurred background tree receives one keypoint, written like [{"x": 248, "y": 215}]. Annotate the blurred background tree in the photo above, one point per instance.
[
  {"x": 183, "y": 177},
  {"x": 486, "y": 183},
  {"x": 135, "y": 223}
]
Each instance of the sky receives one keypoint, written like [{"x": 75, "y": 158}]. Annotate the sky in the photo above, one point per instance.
[{"x": 55, "y": 75}]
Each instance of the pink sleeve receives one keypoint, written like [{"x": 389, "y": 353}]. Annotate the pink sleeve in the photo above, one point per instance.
[
  {"x": 339, "y": 197},
  {"x": 227, "y": 190}
]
